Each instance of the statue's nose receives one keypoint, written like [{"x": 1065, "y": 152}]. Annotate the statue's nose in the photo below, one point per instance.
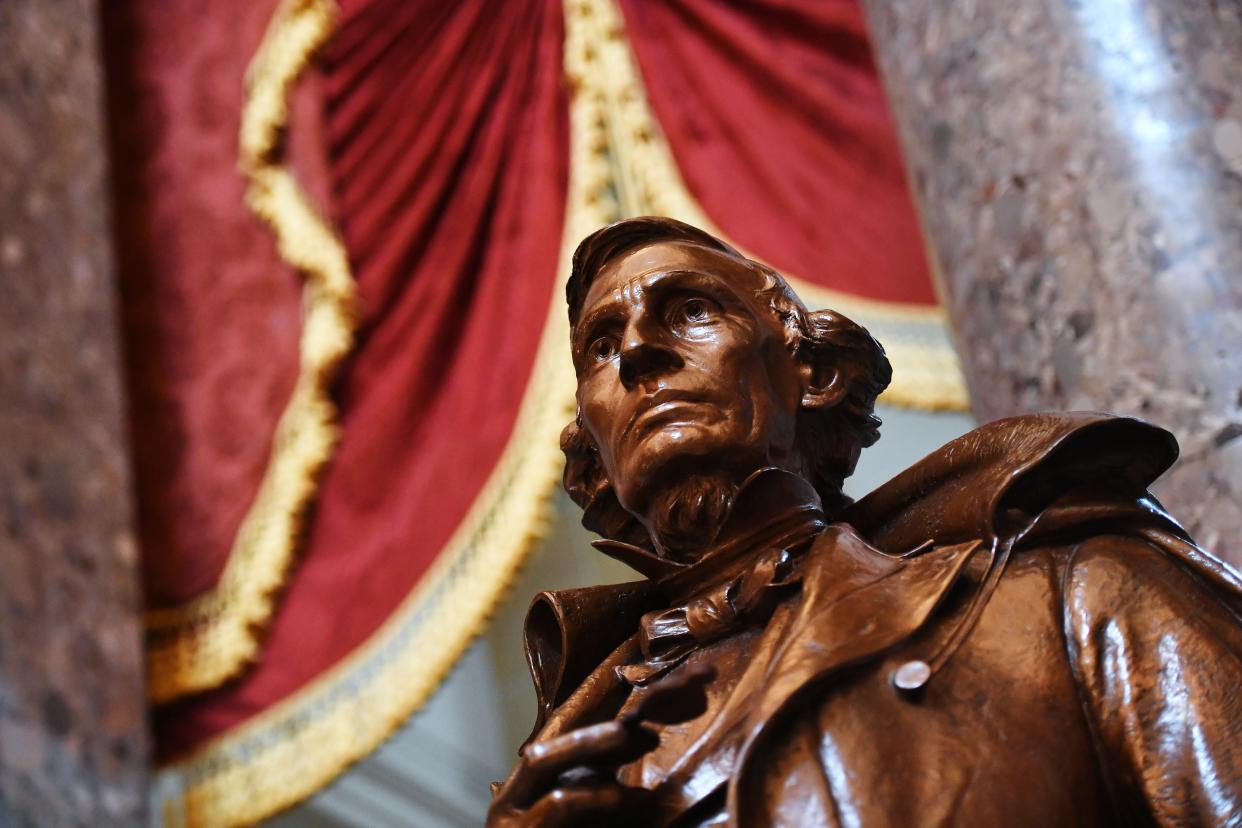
[{"x": 645, "y": 354}]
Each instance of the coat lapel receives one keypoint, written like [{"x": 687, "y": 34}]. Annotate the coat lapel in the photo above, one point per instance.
[{"x": 857, "y": 602}]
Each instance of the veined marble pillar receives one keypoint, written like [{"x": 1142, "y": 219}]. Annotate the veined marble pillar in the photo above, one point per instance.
[
  {"x": 1078, "y": 168},
  {"x": 73, "y": 739}
]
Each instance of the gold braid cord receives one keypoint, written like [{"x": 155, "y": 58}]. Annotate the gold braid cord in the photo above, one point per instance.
[
  {"x": 926, "y": 372},
  {"x": 618, "y": 166},
  {"x": 211, "y": 639}
]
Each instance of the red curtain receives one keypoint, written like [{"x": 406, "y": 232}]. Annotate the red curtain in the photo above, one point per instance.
[
  {"x": 776, "y": 115},
  {"x": 447, "y": 138},
  {"x": 201, "y": 283}
]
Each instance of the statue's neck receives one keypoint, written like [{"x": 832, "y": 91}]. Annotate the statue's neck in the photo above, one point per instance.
[
  {"x": 686, "y": 518},
  {"x": 704, "y": 515},
  {"x": 773, "y": 509}
]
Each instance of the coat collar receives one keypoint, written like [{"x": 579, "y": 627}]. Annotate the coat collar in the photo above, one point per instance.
[
  {"x": 772, "y": 508},
  {"x": 856, "y": 602},
  {"x": 988, "y": 482}
]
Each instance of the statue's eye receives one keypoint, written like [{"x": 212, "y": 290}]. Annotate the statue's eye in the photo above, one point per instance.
[
  {"x": 694, "y": 310},
  {"x": 602, "y": 349}
]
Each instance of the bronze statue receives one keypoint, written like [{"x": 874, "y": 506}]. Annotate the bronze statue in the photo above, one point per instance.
[{"x": 1010, "y": 632}]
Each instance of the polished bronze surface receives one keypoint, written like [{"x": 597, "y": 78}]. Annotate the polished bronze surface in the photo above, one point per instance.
[{"x": 1012, "y": 631}]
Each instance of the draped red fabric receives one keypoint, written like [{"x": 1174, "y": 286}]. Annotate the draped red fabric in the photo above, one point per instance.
[
  {"x": 785, "y": 97},
  {"x": 447, "y": 134},
  {"x": 211, "y": 314}
]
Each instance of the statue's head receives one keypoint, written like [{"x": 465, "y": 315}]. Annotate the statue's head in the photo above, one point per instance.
[{"x": 697, "y": 366}]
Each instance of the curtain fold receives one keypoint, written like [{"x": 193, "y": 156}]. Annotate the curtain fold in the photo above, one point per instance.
[
  {"x": 226, "y": 445},
  {"x": 200, "y": 282},
  {"x": 446, "y": 135}
]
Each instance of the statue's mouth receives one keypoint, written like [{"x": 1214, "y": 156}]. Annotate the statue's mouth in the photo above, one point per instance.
[{"x": 662, "y": 408}]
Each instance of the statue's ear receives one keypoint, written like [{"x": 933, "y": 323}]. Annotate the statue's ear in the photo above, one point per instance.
[
  {"x": 585, "y": 477},
  {"x": 823, "y": 385},
  {"x": 826, "y": 371},
  {"x": 587, "y": 483}
]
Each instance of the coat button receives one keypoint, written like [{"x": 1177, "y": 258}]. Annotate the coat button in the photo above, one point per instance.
[{"x": 911, "y": 676}]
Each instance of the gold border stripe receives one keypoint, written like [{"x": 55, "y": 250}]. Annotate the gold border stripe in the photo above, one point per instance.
[{"x": 211, "y": 639}]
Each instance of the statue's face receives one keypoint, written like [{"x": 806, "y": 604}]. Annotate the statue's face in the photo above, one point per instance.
[{"x": 683, "y": 369}]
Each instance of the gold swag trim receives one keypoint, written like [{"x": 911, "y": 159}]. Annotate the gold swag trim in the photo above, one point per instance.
[
  {"x": 926, "y": 372},
  {"x": 301, "y": 744},
  {"x": 211, "y": 639}
]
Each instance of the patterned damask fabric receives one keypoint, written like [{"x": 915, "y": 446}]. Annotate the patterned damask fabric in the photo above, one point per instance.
[{"x": 211, "y": 314}]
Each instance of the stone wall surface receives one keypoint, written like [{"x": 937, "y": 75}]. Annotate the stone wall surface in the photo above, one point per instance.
[
  {"x": 73, "y": 743},
  {"x": 1078, "y": 168}
]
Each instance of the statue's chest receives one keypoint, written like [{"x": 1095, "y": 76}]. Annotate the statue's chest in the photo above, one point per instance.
[{"x": 698, "y": 753}]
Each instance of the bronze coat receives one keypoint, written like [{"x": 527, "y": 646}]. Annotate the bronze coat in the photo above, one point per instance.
[{"x": 1099, "y": 683}]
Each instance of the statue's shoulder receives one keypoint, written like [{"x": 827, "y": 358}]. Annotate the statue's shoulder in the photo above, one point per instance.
[
  {"x": 991, "y": 481},
  {"x": 1152, "y": 577}
]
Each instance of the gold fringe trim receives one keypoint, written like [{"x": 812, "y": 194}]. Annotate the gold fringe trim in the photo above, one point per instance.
[
  {"x": 209, "y": 640},
  {"x": 292, "y": 750},
  {"x": 926, "y": 372}
]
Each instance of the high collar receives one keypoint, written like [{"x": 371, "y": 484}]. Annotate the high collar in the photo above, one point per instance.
[
  {"x": 995, "y": 479},
  {"x": 773, "y": 508}
]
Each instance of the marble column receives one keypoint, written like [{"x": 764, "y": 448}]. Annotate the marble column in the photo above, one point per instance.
[
  {"x": 73, "y": 740},
  {"x": 1078, "y": 168}
]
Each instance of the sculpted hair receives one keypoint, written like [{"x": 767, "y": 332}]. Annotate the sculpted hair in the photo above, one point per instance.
[
  {"x": 620, "y": 237},
  {"x": 830, "y": 438}
]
